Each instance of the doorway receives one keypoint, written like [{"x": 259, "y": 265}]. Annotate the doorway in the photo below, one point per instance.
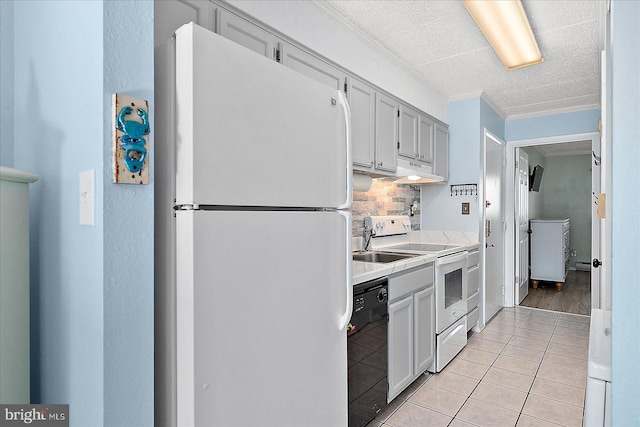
[{"x": 572, "y": 175}]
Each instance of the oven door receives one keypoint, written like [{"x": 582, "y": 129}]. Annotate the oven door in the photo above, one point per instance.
[{"x": 451, "y": 289}]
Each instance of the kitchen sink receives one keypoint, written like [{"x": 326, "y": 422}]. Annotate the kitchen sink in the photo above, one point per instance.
[{"x": 380, "y": 257}]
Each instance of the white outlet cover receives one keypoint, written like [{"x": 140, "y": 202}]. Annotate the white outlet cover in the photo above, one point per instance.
[{"x": 87, "y": 197}]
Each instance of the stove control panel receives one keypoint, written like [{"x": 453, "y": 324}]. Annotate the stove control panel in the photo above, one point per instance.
[{"x": 388, "y": 225}]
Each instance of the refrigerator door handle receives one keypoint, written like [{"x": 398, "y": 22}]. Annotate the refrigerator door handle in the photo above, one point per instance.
[
  {"x": 346, "y": 317},
  {"x": 342, "y": 100}
]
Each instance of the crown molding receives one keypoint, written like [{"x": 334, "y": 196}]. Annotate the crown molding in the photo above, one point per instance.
[{"x": 553, "y": 112}]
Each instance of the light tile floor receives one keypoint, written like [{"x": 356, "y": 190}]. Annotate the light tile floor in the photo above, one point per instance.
[{"x": 528, "y": 367}]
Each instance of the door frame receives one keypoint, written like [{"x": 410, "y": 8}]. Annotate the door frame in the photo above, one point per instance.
[
  {"x": 510, "y": 233},
  {"x": 482, "y": 215}
]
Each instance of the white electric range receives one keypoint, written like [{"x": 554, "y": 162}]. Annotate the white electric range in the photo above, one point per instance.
[{"x": 391, "y": 233}]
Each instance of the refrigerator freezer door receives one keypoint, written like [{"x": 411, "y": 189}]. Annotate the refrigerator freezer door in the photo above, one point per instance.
[
  {"x": 251, "y": 132},
  {"x": 259, "y": 334}
]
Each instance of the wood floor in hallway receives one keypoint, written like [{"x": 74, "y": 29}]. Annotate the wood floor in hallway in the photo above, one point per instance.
[{"x": 575, "y": 296}]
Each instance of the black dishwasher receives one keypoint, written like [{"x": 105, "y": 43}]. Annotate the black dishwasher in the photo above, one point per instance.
[{"x": 367, "y": 352}]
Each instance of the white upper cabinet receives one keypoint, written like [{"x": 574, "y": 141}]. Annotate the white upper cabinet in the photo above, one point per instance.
[
  {"x": 426, "y": 129},
  {"x": 383, "y": 127},
  {"x": 416, "y": 135},
  {"x": 408, "y": 135},
  {"x": 362, "y": 100},
  {"x": 386, "y": 132},
  {"x": 311, "y": 66},
  {"x": 248, "y": 35},
  {"x": 441, "y": 155}
]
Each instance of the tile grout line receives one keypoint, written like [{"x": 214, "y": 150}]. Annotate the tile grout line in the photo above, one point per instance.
[
  {"x": 528, "y": 393},
  {"x": 539, "y": 364},
  {"x": 481, "y": 378}
]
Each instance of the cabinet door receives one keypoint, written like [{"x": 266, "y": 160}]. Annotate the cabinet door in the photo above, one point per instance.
[
  {"x": 408, "y": 132},
  {"x": 311, "y": 66},
  {"x": 424, "y": 330},
  {"x": 170, "y": 15},
  {"x": 441, "y": 165},
  {"x": 247, "y": 34},
  {"x": 400, "y": 343},
  {"x": 362, "y": 100},
  {"x": 386, "y": 132},
  {"x": 425, "y": 139}
]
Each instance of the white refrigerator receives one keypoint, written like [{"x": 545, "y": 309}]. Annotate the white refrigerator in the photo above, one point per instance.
[{"x": 253, "y": 241}]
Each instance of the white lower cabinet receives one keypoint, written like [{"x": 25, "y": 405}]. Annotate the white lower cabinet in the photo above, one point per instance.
[
  {"x": 411, "y": 336},
  {"x": 400, "y": 346},
  {"x": 424, "y": 329}
]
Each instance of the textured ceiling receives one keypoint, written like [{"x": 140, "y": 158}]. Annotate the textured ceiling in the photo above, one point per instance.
[{"x": 440, "y": 42}]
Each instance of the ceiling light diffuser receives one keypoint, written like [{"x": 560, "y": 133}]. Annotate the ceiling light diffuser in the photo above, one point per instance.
[{"x": 506, "y": 27}]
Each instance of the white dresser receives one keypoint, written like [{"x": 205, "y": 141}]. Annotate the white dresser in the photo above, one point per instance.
[
  {"x": 549, "y": 251},
  {"x": 14, "y": 285}
]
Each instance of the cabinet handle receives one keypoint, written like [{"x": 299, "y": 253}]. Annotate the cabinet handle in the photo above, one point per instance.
[
  {"x": 380, "y": 164},
  {"x": 373, "y": 163}
]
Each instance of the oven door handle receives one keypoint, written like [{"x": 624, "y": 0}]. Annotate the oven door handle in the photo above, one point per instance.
[
  {"x": 452, "y": 333},
  {"x": 452, "y": 258}
]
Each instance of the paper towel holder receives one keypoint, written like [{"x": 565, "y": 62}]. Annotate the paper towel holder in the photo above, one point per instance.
[{"x": 361, "y": 182}]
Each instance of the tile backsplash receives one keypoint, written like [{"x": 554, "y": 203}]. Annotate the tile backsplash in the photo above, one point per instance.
[{"x": 384, "y": 198}]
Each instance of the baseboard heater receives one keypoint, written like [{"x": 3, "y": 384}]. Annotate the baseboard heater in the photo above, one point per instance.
[{"x": 583, "y": 266}]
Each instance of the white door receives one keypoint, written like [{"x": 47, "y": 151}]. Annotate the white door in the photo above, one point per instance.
[
  {"x": 522, "y": 225},
  {"x": 493, "y": 226},
  {"x": 260, "y": 318},
  {"x": 597, "y": 199},
  {"x": 255, "y": 127}
]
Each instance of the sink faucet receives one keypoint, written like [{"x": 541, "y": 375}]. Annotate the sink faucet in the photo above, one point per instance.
[{"x": 367, "y": 234}]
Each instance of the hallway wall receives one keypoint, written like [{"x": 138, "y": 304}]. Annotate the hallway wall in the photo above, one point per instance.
[{"x": 91, "y": 286}]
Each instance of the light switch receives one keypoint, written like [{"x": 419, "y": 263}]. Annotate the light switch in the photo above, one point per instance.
[
  {"x": 465, "y": 208},
  {"x": 87, "y": 197}
]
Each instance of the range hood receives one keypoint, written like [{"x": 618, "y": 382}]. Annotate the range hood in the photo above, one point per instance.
[{"x": 410, "y": 172}]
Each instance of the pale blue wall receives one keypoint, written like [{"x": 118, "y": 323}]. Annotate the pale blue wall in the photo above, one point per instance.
[
  {"x": 128, "y": 227},
  {"x": 567, "y": 194},
  {"x": 58, "y": 110},
  {"x": 92, "y": 286},
  {"x": 490, "y": 120},
  {"x": 553, "y": 125},
  {"x": 440, "y": 211},
  {"x": 625, "y": 248},
  {"x": 6, "y": 83},
  {"x": 467, "y": 120}
]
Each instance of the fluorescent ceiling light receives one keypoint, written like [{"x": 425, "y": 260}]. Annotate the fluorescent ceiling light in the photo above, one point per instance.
[{"x": 506, "y": 27}]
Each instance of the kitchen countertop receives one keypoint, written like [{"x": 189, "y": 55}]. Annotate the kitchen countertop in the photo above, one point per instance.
[{"x": 365, "y": 271}]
